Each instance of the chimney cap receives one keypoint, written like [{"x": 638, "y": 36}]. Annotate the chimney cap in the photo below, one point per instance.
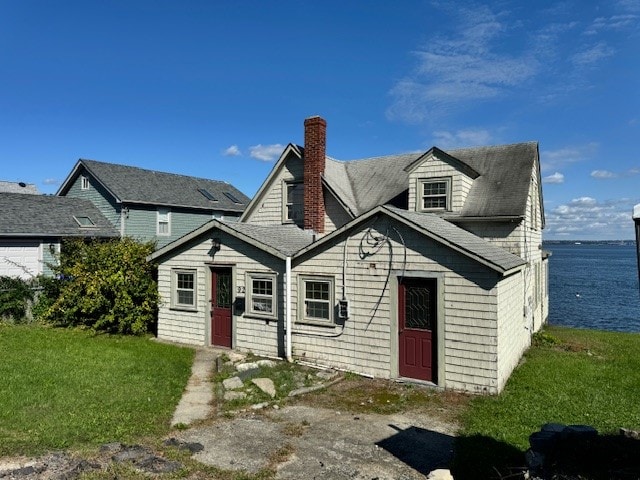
[{"x": 315, "y": 119}]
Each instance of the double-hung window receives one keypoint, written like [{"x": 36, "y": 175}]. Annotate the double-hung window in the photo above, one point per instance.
[
  {"x": 293, "y": 199},
  {"x": 316, "y": 299},
  {"x": 261, "y": 288},
  {"x": 164, "y": 221},
  {"x": 84, "y": 183},
  {"x": 183, "y": 286},
  {"x": 435, "y": 194}
]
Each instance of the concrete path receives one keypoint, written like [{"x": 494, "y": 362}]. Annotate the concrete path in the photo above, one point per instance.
[{"x": 196, "y": 400}]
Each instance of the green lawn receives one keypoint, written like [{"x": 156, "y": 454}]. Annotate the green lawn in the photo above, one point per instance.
[
  {"x": 570, "y": 376},
  {"x": 64, "y": 388}
]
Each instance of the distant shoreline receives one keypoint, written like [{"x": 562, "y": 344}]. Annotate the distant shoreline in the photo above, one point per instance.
[{"x": 590, "y": 242}]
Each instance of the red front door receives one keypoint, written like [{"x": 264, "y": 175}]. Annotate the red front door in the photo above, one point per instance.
[
  {"x": 221, "y": 307},
  {"x": 417, "y": 319}
]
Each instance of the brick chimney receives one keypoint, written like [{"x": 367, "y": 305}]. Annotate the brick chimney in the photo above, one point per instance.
[{"x": 315, "y": 147}]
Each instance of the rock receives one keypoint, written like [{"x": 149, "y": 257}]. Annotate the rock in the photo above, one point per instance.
[
  {"x": 231, "y": 395},
  {"x": 535, "y": 460},
  {"x": 266, "y": 385},
  {"x": 625, "y": 432},
  {"x": 581, "y": 431},
  {"x": 440, "y": 474},
  {"x": 553, "y": 427},
  {"x": 232, "y": 383},
  {"x": 248, "y": 373},
  {"x": 266, "y": 363},
  {"x": 243, "y": 367},
  {"x": 327, "y": 374},
  {"x": 235, "y": 357},
  {"x": 543, "y": 442},
  {"x": 193, "y": 447},
  {"x": 259, "y": 406}
]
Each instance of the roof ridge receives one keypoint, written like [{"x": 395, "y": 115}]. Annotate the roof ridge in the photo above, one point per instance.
[
  {"x": 84, "y": 160},
  {"x": 498, "y": 145}
]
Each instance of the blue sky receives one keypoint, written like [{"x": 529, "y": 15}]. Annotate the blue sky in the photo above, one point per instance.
[{"x": 217, "y": 89}]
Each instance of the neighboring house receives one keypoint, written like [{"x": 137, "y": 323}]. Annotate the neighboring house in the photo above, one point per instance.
[
  {"x": 149, "y": 205},
  {"x": 18, "y": 187},
  {"x": 425, "y": 266},
  {"x": 32, "y": 227}
]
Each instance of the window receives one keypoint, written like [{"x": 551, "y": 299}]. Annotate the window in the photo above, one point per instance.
[
  {"x": 231, "y": 197},
  {"x": 207, "y": 194},
  {"x": 435, "y": 194},
  {"x": 317, "y": 299},
  {"x": 164, "y": 221},
  {"x": 84, "y": 222},
  {"x": 261, "y": 288},
  {"x": 84, "y": 183},
  {"x": 293, "y": 207},
  {"x": 184, "y": 289}
]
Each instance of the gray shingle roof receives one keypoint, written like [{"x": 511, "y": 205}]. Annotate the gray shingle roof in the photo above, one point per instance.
[
  {"x": 18, "y": 187},
  {"x": 501, "y": 188},
  {"x": 449, "y": 233},
  {"x": 286, "y": 239},
  {"x": 137, "y": 185},
  {"x": 44, "y": 215}
]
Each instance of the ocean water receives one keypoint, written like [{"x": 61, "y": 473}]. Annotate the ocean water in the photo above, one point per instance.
[{"x": 594, "y": 286}]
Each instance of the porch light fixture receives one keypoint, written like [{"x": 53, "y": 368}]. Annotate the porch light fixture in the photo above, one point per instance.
[{"x": 215, "y": 244}]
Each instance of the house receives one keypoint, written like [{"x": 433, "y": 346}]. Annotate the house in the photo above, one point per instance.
[
  {"x": 32, "y": 227},
  {"x": 149, "y": 205},
  {"x": 422, "y": 266}
]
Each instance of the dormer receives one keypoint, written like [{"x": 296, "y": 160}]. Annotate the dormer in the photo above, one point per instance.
[{"x": 439, "y": 182}]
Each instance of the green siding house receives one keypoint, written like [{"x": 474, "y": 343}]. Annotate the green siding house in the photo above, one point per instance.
[{"x": 149, "y": 205}]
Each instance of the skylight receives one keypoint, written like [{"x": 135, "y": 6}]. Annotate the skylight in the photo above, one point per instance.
[
  {"x": 207, "y": 194},
  {"x": 232, "y": 198},
  {"x": 84, "y": 222}
]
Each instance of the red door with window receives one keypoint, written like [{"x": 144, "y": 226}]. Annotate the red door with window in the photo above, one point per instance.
[
  {"x": 417, "y": 319},
  {"x": 221, "y": 307}
]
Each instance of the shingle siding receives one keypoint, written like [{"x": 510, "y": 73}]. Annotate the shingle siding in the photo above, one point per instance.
[{"x": 97, "y": 194}]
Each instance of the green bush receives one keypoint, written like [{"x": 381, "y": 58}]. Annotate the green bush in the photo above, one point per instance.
[
  {"x": 15, "y": 296},
  {"x": 104, "y": 285}
]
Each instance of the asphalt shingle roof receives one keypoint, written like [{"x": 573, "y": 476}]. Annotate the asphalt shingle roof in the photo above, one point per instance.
[
  {"x": 287, "y": 239},
  {"x": 138, "y": 185},
  {"x": 18, "y": 187},
  {"x": 501, "y": 188},
  {"x": 466, "y": 241},
  {"x": 44, "y": 215}
]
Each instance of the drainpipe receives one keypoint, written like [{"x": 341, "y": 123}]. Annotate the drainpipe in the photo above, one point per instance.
[{"x": 288, "y": 346}]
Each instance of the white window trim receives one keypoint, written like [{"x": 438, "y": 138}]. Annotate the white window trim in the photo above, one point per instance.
[
  {"x": 159, "y": 214},
  {"x": 174, "y": 289},
  {"x": 250, "y": 276},
  {"x": 285, "y": 210},
  {"x": 420, "y": 197},
  {"x": 302, "y": 318},
  {"x": 84, "y": 182}
]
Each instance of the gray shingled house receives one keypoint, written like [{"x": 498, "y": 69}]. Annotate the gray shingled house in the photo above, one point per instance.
[
  {"x": 32, "y": 227},
  {"x": 149, "y": 205},
  {"x": 423, "y": 266}
]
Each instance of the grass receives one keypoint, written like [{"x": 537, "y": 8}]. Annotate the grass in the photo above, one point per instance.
[
  {"x": 570, "y": 376},
  {"x": 65, "y": 388}
]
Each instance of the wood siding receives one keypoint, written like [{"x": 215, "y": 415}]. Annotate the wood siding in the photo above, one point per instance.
[{"x": 365, "y": 342}]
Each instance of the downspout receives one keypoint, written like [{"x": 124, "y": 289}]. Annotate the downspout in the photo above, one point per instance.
[{"x": 287, "y": 300}]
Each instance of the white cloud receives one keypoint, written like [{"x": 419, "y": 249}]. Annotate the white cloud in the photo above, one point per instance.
[
  {"x": 266, "y": 153},
  {"x": 600, "y": 174},
  {"x": 461, "y": 68},
  {"x": 614, "y": 22},
  {"x": 587, "y": 218},
  {"x": 232, "y": 151},
  {"x": 556, "y": 177},
  {"x": 461, "y": 138},
  {"x": 51, "y": 181},
  {"x": 592, "y": 55},
  {"x": 554, "y": 159}
]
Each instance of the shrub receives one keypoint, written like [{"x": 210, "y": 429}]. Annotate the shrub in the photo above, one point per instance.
[
  {"x": 15, "y": 297},
  {"x": 104, "y": 285}
]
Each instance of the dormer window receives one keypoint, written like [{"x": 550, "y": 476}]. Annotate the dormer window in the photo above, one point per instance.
[{"x": 435, "y": 194}]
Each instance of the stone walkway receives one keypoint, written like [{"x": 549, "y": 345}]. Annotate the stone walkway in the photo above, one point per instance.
[{"x": 196, "y": 401}]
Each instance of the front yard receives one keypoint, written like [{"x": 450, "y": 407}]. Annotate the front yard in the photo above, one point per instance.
[{"x": 63, "y": 388}]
